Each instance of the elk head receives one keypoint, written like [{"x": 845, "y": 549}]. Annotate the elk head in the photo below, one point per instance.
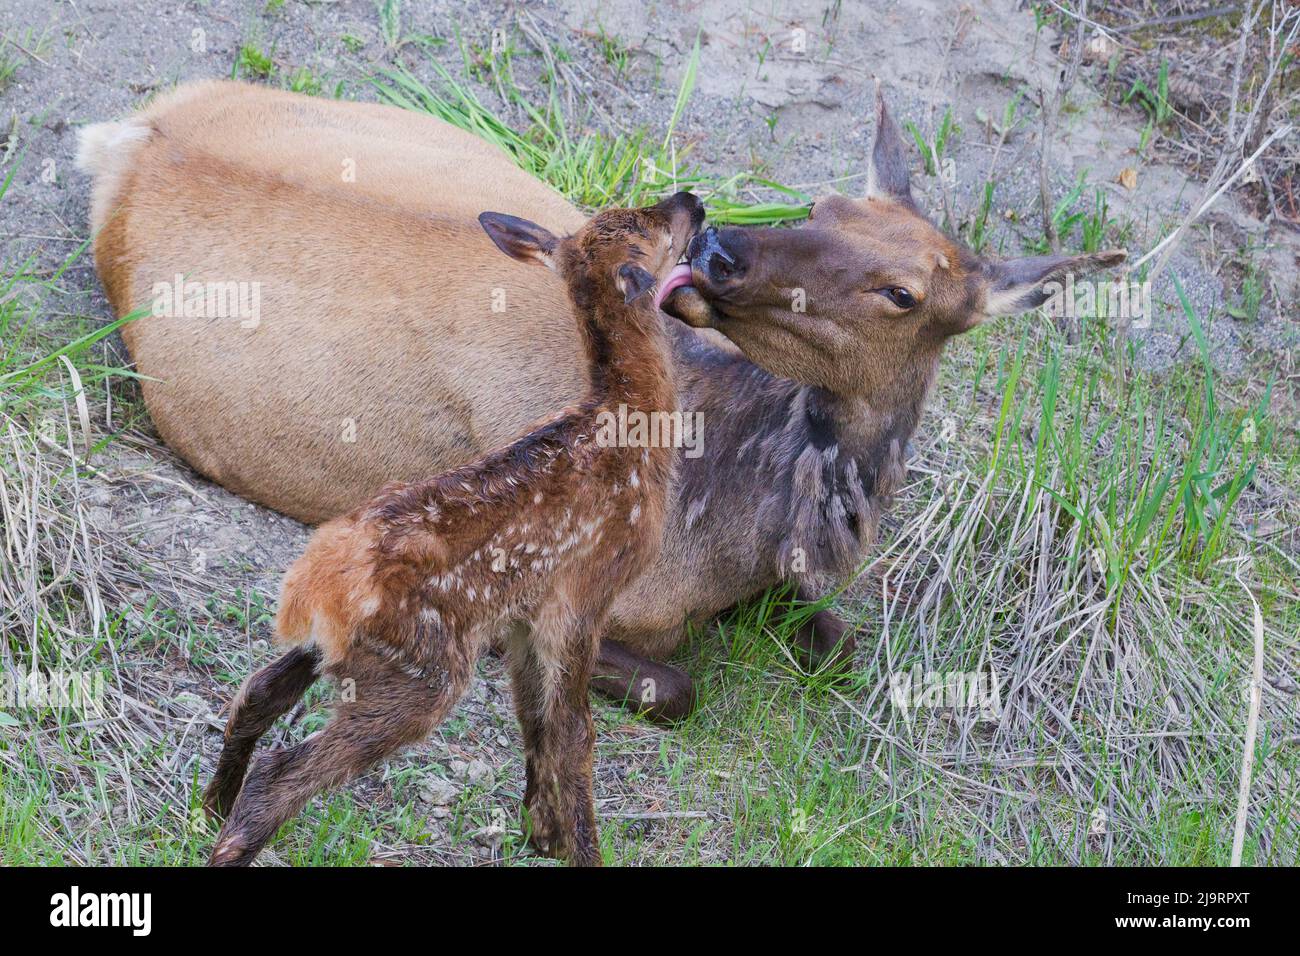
[
  {"x": 860, "y": 299},
  {"x": 634, "y": 251}
]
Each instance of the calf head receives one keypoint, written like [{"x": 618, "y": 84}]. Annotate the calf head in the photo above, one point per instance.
[
  {"x": 861, "y": 298},
  {"x": 619, "y": 252}
]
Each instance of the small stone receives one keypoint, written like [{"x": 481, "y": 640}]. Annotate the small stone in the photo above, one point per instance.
[
  {"x": 1100, "y": 49},
  {"x": 476, "y": 773},
  {"x": 100, "y": 495},
  {"x": 191, "y": 703},
  {"x": 490, "y": 836},
  {"x": 439, "y": 791}
]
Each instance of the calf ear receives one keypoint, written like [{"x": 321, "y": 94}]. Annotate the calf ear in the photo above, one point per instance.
[
  {"x": 1016, "y": 285},
  {"x": 887, "y": 173},
  {"x": 633, "y": 281},
  {"x": 519, "y": 238}
]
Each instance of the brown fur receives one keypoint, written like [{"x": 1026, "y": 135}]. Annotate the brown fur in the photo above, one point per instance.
[
  {"x": 403, "y": 594},
  {"x": 377, "y": 309}
]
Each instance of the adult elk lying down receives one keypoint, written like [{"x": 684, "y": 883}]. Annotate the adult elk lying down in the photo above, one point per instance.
[{"x": 394, "y": 342}]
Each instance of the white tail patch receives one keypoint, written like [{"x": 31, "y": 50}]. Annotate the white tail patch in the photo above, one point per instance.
[{"x": 104, "y": 146}]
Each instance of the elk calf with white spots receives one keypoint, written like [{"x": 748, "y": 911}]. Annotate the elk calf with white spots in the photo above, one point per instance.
[{"x": 403, "y": 595}]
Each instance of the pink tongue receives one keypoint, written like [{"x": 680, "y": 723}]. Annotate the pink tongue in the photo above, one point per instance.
[{"x": 680, "y": 276}]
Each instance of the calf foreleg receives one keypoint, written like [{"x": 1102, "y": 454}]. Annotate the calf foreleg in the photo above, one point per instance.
[{"x": 551, "y": 669}]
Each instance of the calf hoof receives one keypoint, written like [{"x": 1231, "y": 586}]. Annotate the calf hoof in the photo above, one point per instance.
[
  {"x": 586, "y": 856},
  {"x": 546, "y": 838},
  {"x": 220, "y": 795},
  {"x": 579, "y": 856},
  {"x": 543, "y": 834},
  {"x": 231, "y": 850},
  {"x": 825, "y": 643}
]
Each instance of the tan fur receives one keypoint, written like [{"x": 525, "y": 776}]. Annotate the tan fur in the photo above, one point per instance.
[
  {"x": 241, "y": 183},
  {"x": 329, "y": 591}
]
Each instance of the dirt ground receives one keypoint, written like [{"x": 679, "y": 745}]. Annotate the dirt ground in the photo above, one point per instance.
[{"x": 802, "y": 118}]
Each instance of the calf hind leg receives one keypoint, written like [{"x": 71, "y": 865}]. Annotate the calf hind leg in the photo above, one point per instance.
[
  {"x": 551, "y": 687},
  {"x": 264, "y": 698},
  {"x": 529, "y": 686},
  {"x": 393, "y": 707}
]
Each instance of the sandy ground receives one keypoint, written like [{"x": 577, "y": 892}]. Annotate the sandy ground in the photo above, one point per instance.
[{"x": 803, "y": 118}]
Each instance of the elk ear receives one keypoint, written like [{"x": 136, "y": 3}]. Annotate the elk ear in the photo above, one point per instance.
[
  {"x": 633, "y": 281},
  {"x": 519, "y": 238},
  {"x": 1016, "y": 285},
  {"x": 887, "y": 173}
]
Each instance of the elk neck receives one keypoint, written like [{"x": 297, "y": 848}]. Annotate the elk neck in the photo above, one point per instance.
[
  {"x": 627, "y": 353},
  {"x": 818, "y": 465},
  {"x": 886, "y": 409}
]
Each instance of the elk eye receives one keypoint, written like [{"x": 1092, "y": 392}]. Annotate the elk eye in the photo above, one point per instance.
[{"x": 900, "y": 297}]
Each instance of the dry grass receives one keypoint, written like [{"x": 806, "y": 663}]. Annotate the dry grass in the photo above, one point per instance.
[
  {"x": 1122, "y": 662},
  {"x": 1166, "y": 65}
]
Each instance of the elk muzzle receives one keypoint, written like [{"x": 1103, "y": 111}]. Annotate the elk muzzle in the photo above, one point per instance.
[{"x": 713, "y": 268}]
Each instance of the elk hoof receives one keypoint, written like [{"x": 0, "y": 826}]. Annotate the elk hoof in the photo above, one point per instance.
[
  {"x": 674, "y": 701},
  {"x": 230, "y": 851},
  {"x": 660, "y": 693},
  {"x": 826, "y": 643}
]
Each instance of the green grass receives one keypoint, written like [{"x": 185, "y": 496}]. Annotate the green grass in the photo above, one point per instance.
[
  {"x": 616, "y": 53},
  {"x": 933, "y": 152},
  {"x": 48, "y": 597},
  {"x": 592, "y": 169},
  {"x": 1097, "y": 515},
  {"x": 1155, "y": 102},
  {"x": 390, "y": 22},
  {"x": 9, "y": 64},
  {"x": 252, "y": 62},
  {"x": 1253, "y": 288}
]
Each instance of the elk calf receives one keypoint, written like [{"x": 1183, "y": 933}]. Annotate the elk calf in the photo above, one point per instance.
[{"x": 402, "y": 596}]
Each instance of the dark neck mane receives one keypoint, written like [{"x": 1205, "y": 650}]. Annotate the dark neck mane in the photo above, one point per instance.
[{"x": 821, "y": 466}]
